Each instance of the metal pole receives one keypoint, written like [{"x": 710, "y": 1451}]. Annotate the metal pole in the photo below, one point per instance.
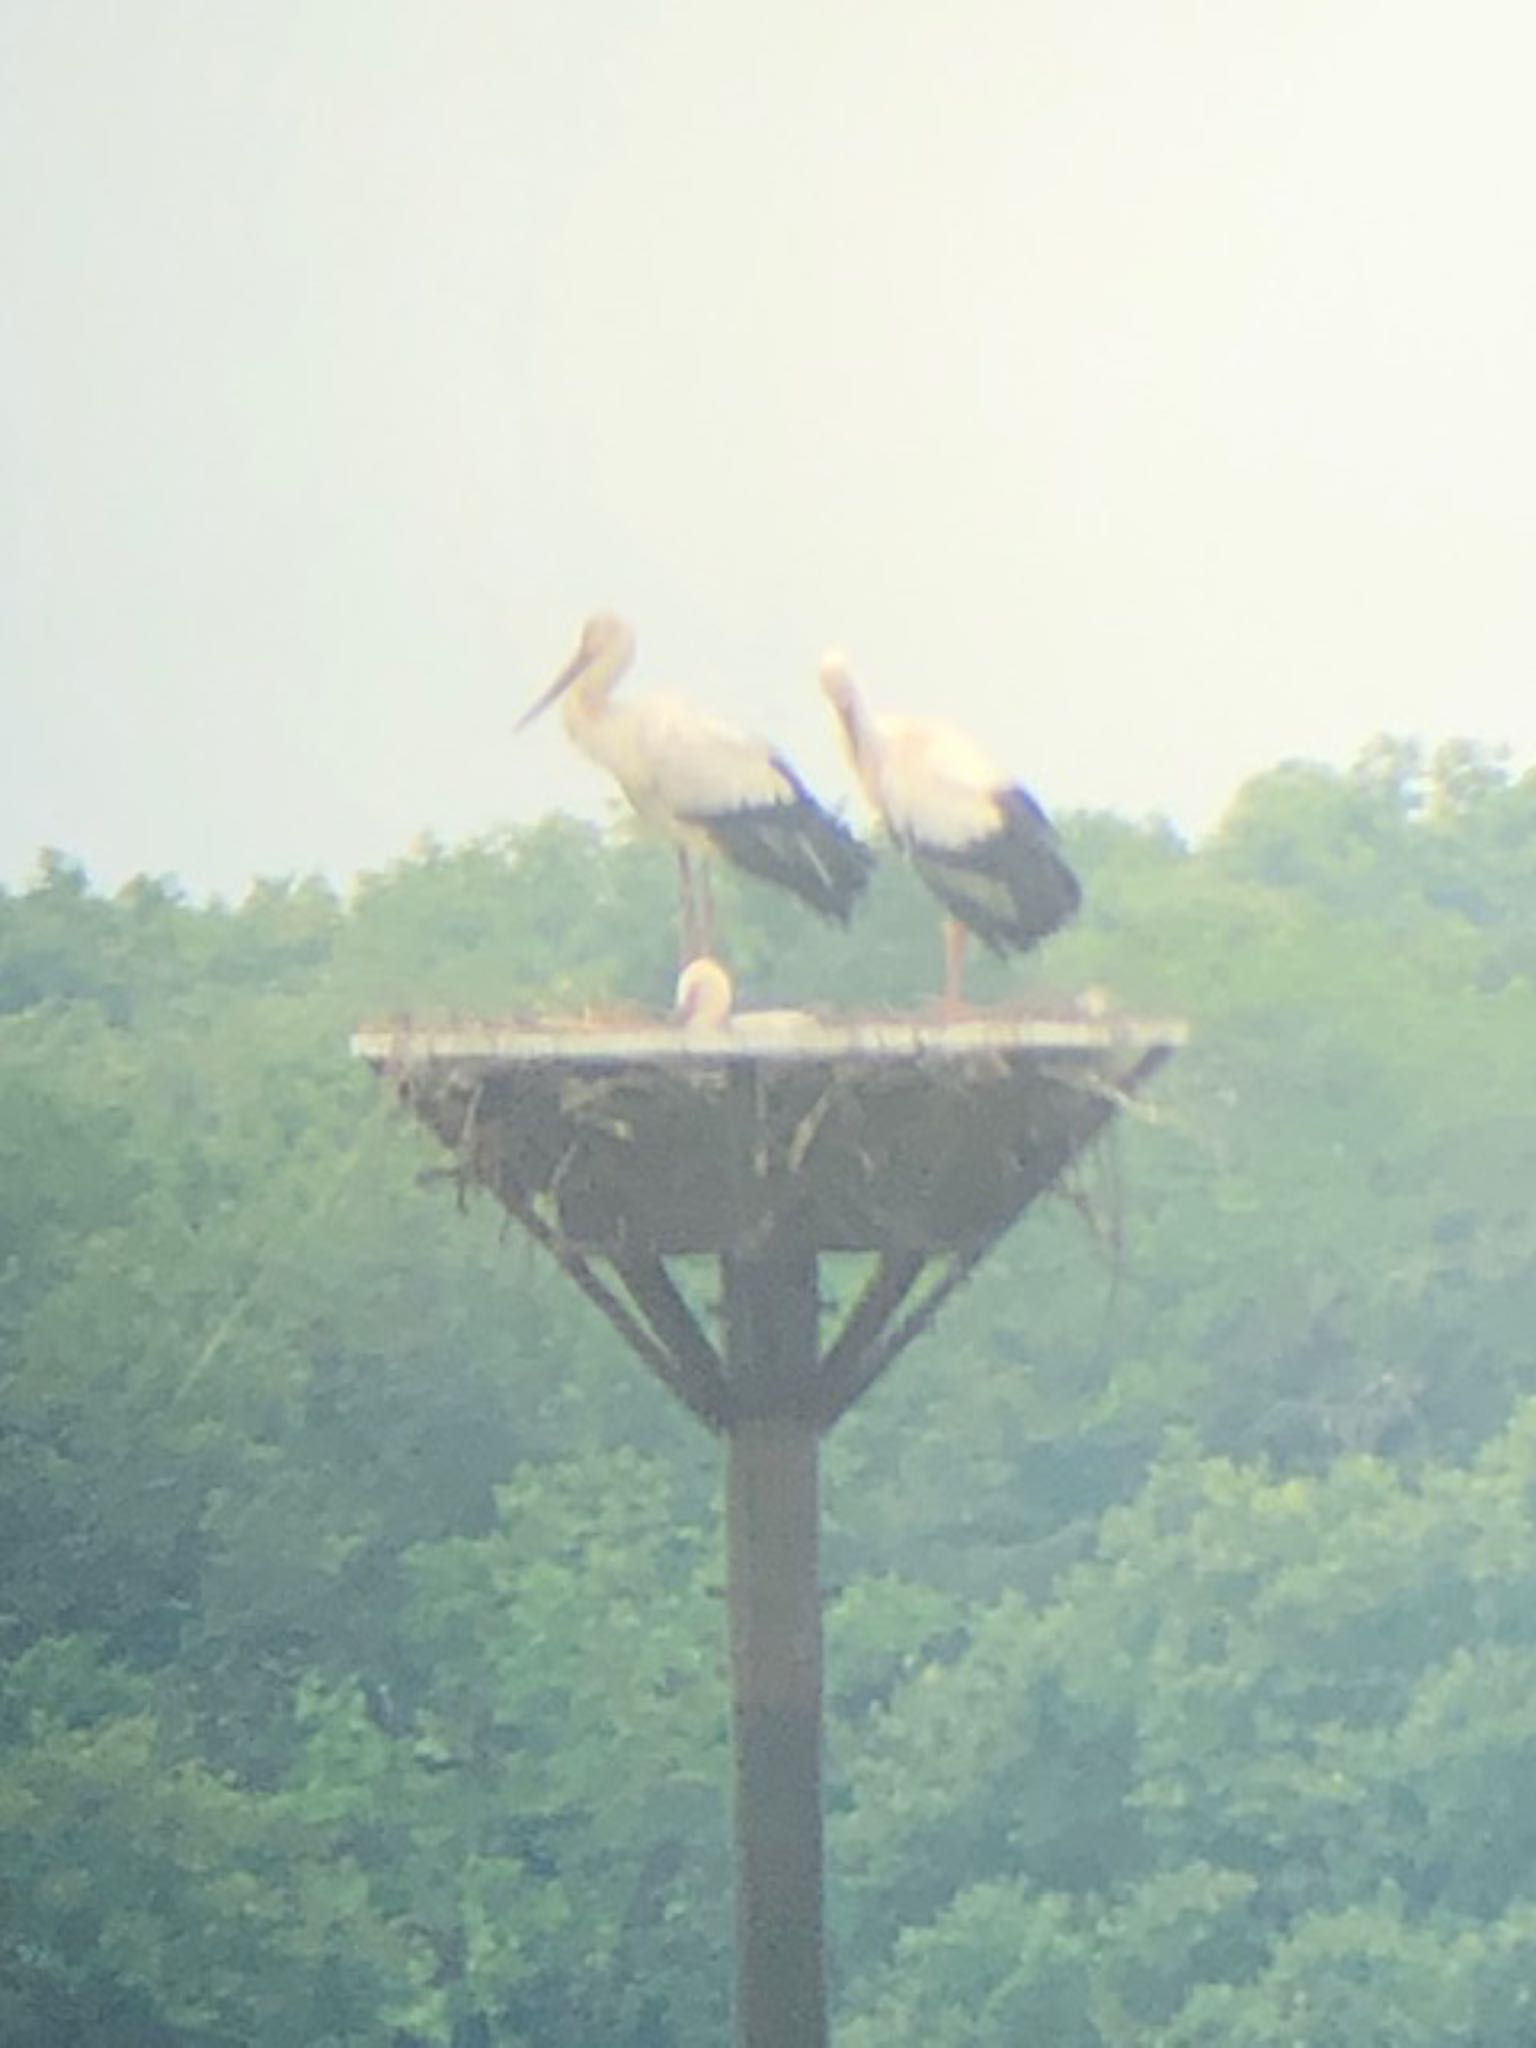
[{"x": 772, "y": 1514}]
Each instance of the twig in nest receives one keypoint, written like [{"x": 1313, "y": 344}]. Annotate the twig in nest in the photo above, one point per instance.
[{"x": 808, "y": 1127}]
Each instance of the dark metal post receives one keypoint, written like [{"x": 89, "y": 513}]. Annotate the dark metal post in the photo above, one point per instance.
[{"x": 772, "y": 1517}]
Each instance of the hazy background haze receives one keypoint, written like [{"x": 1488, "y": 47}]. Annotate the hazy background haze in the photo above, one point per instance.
[{"x": 1149, "y": 385}]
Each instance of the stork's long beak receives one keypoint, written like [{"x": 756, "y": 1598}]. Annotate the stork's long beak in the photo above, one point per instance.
[{"x": 557, "y": 688}]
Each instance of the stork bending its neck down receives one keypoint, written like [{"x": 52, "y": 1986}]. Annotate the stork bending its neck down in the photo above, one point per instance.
[
  {"x": 711, "y": 789},
  {"x": 705, "y": 996},
  {"x": 980, "y": 842}
]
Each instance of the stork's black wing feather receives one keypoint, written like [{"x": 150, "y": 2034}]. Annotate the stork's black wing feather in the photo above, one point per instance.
[
  {"x": 796, "y": 845},
  {"x": 1013, "y": 888}
]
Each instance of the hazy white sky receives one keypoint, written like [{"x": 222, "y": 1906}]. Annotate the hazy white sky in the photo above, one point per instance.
[{"x": 1150, "y": 384}]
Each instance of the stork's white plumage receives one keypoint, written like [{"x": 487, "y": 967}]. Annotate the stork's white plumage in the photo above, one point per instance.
[
  {"x": 706, "y": 1008},
  {"x": 709, "y": 787},
  {"x": 981, "y": 843}
]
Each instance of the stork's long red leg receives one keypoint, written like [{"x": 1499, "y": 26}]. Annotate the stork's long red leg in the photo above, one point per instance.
[
  {"x": 706, "y": 908},
  {"x": 688, "y": 909},
  {"x": 954, "y": 964}
]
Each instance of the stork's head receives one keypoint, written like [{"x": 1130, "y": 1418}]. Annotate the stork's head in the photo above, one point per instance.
[
  {"x": 704, "y": 995},
  {"x": 605, "y": 633},
  {"x": 837, "y": 683},
  {"x": 604, "y": 651}
]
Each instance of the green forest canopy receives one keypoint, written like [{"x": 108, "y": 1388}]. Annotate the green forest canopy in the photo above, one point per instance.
[{"x": 360, "y": 1597}]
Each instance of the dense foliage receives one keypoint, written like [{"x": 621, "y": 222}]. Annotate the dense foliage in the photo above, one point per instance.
[{"x": 360, "y": 1598}]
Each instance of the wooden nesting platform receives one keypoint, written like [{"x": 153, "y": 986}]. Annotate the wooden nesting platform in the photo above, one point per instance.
[
  {"x": 867, "y": 1135},
  {"x": 621, "y": 1145},
  {"x": 778, "y": 1137}
]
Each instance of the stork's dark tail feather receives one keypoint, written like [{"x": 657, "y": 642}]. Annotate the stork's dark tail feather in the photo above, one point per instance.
[
  {"x": 797, "y": 846},
  {"x": 1012, "y": 889}
]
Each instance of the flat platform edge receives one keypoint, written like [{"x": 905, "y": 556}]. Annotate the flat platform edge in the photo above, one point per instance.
[{"x": 776, "y": 1037}]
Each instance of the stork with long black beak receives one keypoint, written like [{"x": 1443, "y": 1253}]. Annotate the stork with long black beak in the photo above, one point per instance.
[
  {"x": 980, "y": 841},
  {"x": 711, "y": 789}
]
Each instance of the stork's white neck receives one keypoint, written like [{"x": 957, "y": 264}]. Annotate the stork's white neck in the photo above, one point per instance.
[
  {"x": 599, "y": 676},
  {"x": 860, "y": 740}
]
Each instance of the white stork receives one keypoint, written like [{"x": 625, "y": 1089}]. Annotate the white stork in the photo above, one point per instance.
[
  {"x": 706, "y": 1007},
  {"x": 705, "y": 995},
  {"x": 981, "y": 843},
  {"x": 708, "y": 787}
]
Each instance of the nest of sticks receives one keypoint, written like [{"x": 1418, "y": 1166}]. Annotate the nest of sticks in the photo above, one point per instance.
[{"x": 927, "y": 1148}]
